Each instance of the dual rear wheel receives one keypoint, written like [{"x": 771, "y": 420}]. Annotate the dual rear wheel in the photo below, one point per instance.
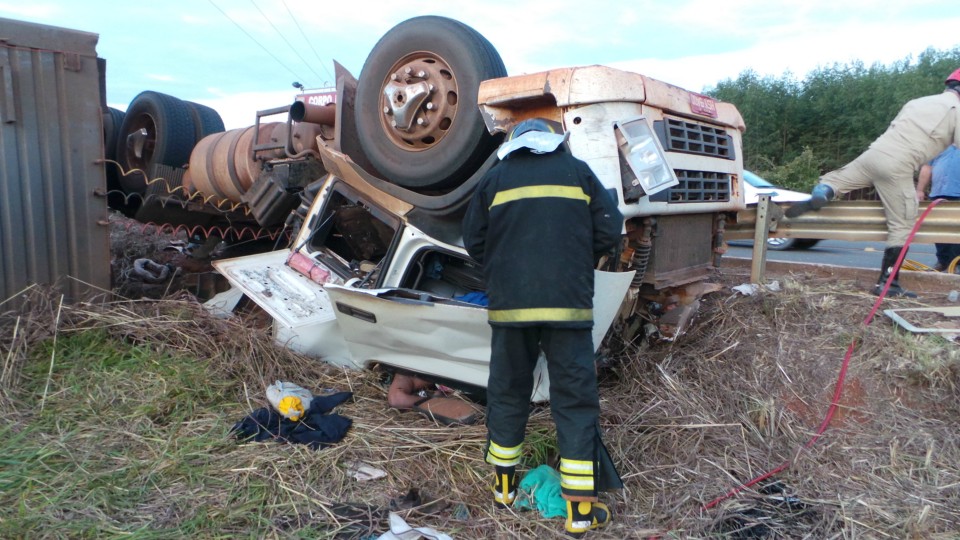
[{"x": 158, "y": 129}]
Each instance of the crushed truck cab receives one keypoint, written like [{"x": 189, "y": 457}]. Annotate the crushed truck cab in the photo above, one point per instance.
[
  {"x": 363, "y": 285},
  {"x": 377, "y": 272}
]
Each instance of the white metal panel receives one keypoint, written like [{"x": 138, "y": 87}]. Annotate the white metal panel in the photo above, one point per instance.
[
  {"x": 428, "y": 337},
  {"x": 445, "y": 339},
  {"x": 304, "y": 318}
]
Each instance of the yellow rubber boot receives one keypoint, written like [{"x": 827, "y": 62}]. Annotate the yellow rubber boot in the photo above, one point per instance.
[
  {"x": 505, "y": 486},
  {"x": 583, "y": 516}
]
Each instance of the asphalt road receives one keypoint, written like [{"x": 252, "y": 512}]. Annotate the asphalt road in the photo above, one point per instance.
[{"x": 838, "y": 253}]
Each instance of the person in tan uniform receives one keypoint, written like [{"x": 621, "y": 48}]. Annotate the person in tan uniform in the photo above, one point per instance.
[{"x": 922, "y": 129}]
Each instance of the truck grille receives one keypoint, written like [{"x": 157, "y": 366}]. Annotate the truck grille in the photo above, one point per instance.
[
  {"x": 692, "y": 138},
  {"x": 696, "y": 186}
]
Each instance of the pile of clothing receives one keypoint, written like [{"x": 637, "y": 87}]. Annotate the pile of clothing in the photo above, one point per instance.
[{"x": 296, "y": 416}]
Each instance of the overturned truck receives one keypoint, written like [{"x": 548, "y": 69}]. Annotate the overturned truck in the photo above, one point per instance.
[{"x": 375, "y": 271}]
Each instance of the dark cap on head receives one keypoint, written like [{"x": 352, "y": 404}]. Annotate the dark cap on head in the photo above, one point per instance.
[{"x": 535, "y": 124}]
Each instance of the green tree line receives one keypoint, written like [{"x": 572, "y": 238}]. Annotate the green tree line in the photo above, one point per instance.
[{"x": 798, "y": 129}]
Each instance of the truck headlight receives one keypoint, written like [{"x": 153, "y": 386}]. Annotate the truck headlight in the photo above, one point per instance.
[{"x": 641, "y": 150}]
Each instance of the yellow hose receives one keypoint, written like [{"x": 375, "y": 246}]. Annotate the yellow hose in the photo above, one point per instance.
[
  {"x": 952, "y": 267},
  {"x": 917, "y": 266},
  {"x": 920, "y": 267}
]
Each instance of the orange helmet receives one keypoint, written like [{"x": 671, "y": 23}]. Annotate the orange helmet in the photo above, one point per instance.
[{"x": 955, "y": 76}]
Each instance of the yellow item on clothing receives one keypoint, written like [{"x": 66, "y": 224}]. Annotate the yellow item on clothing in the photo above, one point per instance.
[
  {"x": 577, "y": 475},
  {"x": 290, "y": 400},
  {"x": 291, "y": 407},
  {"x": 505, "y": 487},
  {"x": 503, "y": 456},
  {"x": 533, "y": 192}
]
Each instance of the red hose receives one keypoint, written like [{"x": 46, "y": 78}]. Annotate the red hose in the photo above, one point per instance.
[{"x": 843, "y": 369}]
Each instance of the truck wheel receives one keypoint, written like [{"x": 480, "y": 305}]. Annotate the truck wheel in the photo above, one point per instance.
[
  {"x": 206, "y": 120},
  {"x": 417, "y": 116},
  {"x": 157, "y": 129},
  {"x": 112, "y": 121}
]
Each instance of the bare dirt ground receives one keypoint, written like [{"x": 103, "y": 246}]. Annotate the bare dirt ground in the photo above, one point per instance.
[{"x": 741, "y": 394}]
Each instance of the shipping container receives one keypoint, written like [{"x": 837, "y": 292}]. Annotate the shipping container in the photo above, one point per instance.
[{"x": 53, "y": 212}]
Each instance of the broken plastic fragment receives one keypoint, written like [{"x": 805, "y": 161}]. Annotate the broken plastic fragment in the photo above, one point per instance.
[
  {"x": 399, "y": 530},
  {"x": 362, "y": 472},
  {"x": 747, "y": 289}
]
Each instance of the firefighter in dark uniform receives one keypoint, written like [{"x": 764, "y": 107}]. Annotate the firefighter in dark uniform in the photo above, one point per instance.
[{"x": 538, "y": 223}]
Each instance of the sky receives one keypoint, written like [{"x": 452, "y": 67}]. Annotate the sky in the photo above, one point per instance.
[{"x": 240, "y": 56}]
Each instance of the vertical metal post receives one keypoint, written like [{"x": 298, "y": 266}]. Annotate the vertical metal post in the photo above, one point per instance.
[{"x": 760, "y": 234}]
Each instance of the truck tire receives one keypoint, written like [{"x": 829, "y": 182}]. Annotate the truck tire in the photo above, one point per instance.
[
  {"x": 157, "y": 129},
  {"x": 112, "y": 121},
  {"x": 417, "y": 116},
  {"x": 206, "y": 120}
]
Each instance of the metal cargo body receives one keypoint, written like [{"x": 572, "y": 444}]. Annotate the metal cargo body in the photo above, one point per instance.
[{"x": 53, "y": 215}]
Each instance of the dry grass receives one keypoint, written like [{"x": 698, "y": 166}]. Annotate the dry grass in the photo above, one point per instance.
[{"x": 116, "y": 420}]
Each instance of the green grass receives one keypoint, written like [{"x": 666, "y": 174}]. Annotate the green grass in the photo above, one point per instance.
[
  {"x": 128, "y": 440},
  {"x": 540, "y": 446}
]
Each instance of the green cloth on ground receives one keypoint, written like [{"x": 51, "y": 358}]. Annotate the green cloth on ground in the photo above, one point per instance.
[{"x": 541, "y": 486}]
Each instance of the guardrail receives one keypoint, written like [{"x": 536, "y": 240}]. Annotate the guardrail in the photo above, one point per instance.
[
  {"x": 861, "y": 221},
  {"x": 840, "y": 220}
]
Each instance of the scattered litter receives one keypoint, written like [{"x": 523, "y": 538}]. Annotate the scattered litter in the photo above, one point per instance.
[
  {"x": 953, "y": 296},
  {"x": 180, "y": 246},
  {"x": 756, "y": 517},
  {"x": 222, "y": 304},
  {"x": 289, "y": 399},
  {"x": 399, "y": 530},
  {"x": 414, "y": 500},
  {"x": 747, "y": 289},
  {"x": 461, "y": 512},
  {"x": 151, "y": 272},
  {"x": 316, "y": 429},
  {"x": 358, "y": 520},
  {"x": 933, "y": 320},
  {"x": 541, "y": 488},
  {"x": 363, "y": 472},
  {"x": 750, "y": 289}
]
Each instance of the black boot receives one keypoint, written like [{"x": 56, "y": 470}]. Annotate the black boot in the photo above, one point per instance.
[
  {"x": 505, "y": 486},
  {"x": 819, "y": 197},
  {"x": 890, "y": 256},
  {"x": 585, "y": 516}
]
